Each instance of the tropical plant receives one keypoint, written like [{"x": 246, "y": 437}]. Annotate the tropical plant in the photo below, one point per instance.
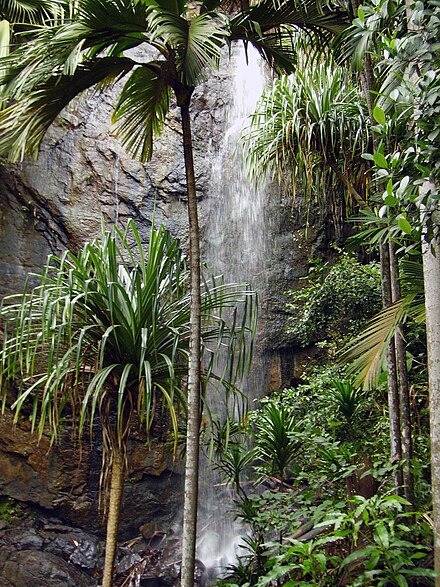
[
  {"x": 312, "y": 125},
  {"x": 93, "y": 48},
  {"x": 106, "y": 332},
  {"x": 279, "y": 439},
  {"x": 366, "y": 352},
  {"x": 337, "y": 296}
]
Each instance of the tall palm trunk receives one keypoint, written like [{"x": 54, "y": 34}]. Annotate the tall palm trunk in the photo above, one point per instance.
[
  {"x": 402, "y": 374},
  {"x": 114, "y": 509},
  {"x": 431, "y": 273},
  {"x": 393, "y": 390},
  {"x": 193, "y": 423}
]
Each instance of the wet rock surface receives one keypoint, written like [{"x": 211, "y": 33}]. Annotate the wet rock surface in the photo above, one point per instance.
[
  {"x": 64, "y": 478},
  {"x": 37, "y": 550}
]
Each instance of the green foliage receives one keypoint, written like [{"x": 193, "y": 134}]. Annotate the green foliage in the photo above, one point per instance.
[
  {"x": 9, "y": 509},
  {"x": 280, "y": 439},
  {"x": 355, "y": 539},
  {"x": 107, "y": 330},
  {"x": 339, "y": 297},
  {"x": 369, "y": 542},
  {"x": 301, "y": 564}
]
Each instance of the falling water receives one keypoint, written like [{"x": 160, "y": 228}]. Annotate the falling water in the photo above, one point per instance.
[
  {"x": 235, "y": 233},
  {"x": 236, "y": 247}
]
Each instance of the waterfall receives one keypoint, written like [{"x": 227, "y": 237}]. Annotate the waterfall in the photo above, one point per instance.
[
  {"x": 236, "y": 231},
  {"x": 235, "y": 236},
  {"x": 236, "y": 247}
]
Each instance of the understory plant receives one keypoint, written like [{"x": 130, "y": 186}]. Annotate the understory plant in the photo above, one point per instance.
[
  {"x": 337, "y": 297},
  {"x": 105, "y": 334},
  {"x": 331, "y": 518}
]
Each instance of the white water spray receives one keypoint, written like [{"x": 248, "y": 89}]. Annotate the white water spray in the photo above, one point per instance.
[{"x": 236, "y": 247}]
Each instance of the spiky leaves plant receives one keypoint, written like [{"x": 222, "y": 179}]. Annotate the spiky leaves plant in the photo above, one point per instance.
[
  {"x": 279, "y": 439},
  {"x": 311, "y": 125},
  {"x": 185, "y": 40},
  {"x": 106, "y": 332}
]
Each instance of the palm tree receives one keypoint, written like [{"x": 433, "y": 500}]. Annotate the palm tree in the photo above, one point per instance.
[
  {"x": 187, "y": 39},
  {"x": 106, "y": 331}
]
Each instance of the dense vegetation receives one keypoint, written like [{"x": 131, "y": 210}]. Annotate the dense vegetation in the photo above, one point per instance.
[
  {"x": 332, "y": 477},
  {"x": 312, "y": 474}
]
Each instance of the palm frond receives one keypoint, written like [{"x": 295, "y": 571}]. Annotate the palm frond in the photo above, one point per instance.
[
  {"x": 20, "y": 10},
  {"x": 207, "y": 34},
  {"x": 366, "y": 352},
  {"x": 272, "y": 27},
  {"x": 141, "y": 110},
  {"x": 310, "y": 15},
  {"x": 24, "y": 123},
  {"x": 196, "y": 43}
]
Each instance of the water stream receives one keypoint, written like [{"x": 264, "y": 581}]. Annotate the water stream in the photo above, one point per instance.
[{"x": 235, "y": 246}]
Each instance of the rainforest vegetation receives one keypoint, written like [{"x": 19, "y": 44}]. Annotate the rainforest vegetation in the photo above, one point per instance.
[{"x": 337, "y": 478}]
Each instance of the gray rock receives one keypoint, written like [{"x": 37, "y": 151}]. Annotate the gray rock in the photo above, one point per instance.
[{"x": 31, "y": 568}]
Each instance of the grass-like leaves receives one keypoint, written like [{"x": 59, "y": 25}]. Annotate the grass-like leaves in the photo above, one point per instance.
[{"x": 107, "y": 330}]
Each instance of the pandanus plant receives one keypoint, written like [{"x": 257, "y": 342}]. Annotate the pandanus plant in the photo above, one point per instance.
[{"x": 105, "y": 332}]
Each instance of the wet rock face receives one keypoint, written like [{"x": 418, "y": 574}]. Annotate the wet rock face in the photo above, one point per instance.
[
  {"x": 37, "y": 550},
  {"x": 65, "y": 478},
  {"x": 39, "y": 569}
]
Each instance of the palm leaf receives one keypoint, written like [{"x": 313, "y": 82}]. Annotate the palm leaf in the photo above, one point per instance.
[
  {"x": 273, "y": 18},
  {"x": 141, "y": 110},
  {"x": 366, "y": 352},
  {"x": 207, "y": 34},
  {"x": 24, "y": 123},
  {"x": 20, "y": 10}
]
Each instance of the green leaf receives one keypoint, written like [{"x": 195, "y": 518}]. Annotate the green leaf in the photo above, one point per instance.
[
  {"x": 379, "y": 115},
  {"x": 404, "y": 225},
  {"x": 390, "y": 201},
  {"x": 141, "y": 110},
  {"x": 390, "y": 187},
  {"x": 380, "y": 160}
]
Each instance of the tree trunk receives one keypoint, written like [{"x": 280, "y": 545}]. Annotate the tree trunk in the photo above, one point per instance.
[
  {"x": 393, "y": 390},
  {"x": 431, "y": 272},
  {"x": 193, "y": 423},
  {"x": 114, "y": 508},
  {"x": 388, "y": 282},
  {"x": 402, "y": 378}
]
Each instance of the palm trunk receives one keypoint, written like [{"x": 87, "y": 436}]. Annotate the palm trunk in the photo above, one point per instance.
[
  {"x": 431, "y": 272},
  {"x": 114, "y": 509},
  {"x": 402, "y": 374},
  {"x": 193, "y": 423},
  {"x": 388, "y": 284},
  {"x": 393, "y": 389}
]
